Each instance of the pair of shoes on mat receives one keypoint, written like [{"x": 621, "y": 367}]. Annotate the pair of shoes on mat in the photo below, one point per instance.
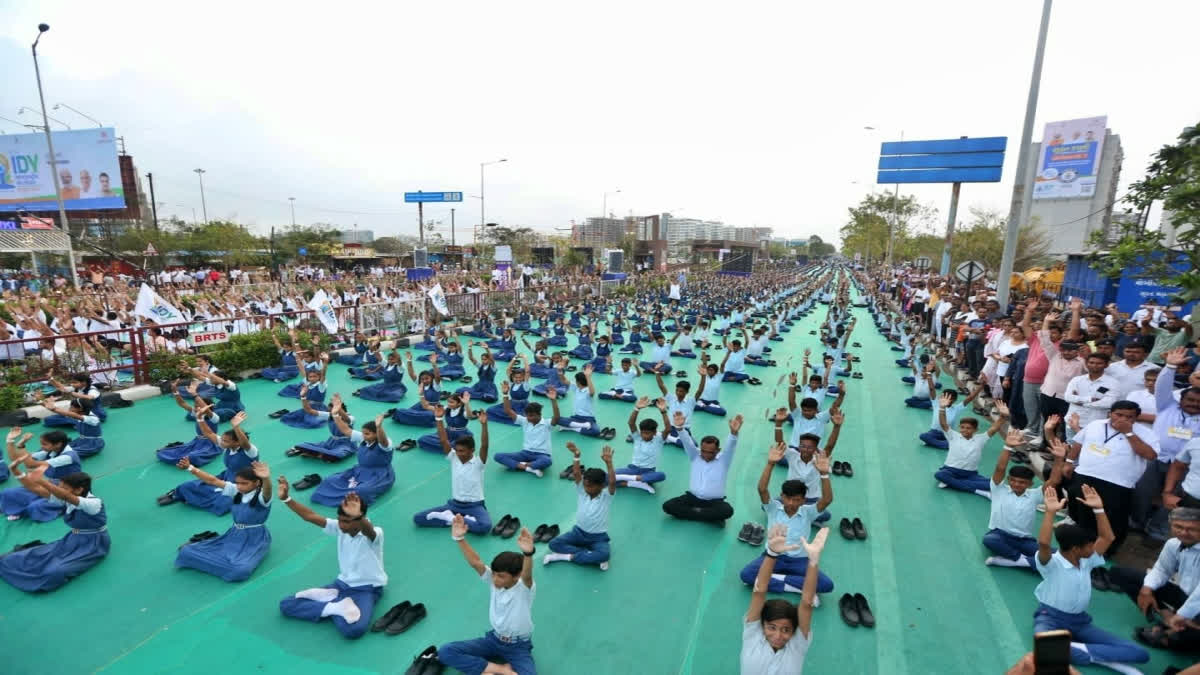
[
  {"x": 753, "y": 534},
  {"x": 843, "y": 469},
  {"x": 569, "y": 472},
  {"x": 853, "y": 529},
  {"x": 406, "y": 445},
  {"x": 856, "y": 375},
  {"x": 544, "y": 533},
  {"x": 399, "y": 618},
  {"x": 278, "y": 413},
  {"x": 856, "y": 611},
  {"x": 426, "y": 663},
  {"x": 507, "y": 526},
  {"x": 168, "y": 498},
  {"x": 311, "y": 480}
]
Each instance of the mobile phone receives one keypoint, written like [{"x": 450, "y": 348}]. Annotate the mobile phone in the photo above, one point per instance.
[
  {"x": 1102, "y": 390},
  {"x": 1052, "y": 652}
]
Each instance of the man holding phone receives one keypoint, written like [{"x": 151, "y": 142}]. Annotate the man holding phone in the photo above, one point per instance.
[{"x": 1091, "y": 394}]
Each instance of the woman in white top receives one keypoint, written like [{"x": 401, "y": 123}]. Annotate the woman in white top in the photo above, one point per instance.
[
  {"x": 1014, "y": 343},
  {"x": 776, "y": 634}
]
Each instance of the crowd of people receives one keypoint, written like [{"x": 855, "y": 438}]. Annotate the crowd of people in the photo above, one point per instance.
[{"x": 1106, "y": 424}]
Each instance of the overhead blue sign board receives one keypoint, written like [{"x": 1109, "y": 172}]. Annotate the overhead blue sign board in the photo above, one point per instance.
[
  {"x": 956, "y": 160},
  {"x": 421, "y": 197}
]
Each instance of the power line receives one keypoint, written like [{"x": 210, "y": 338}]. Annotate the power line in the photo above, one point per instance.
[{"x": 283, "y": 203}]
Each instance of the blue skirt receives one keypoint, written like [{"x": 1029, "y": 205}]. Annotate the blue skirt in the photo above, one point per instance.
[
  {"x": 541, "y": 372},
  {"x": 199, "y": 451},
  {"x": 383, "y": 392},
  {"x": 433, "y": 443},
  {"x": 361, "y": 373},
  {"x": 57, "y": 420},
  {"x": 298, "y": 419},
  {"x": 426, "y": 346},
  {"x": 415, "y": 416},
  {"x": 291, "y": 390},
  {"x": 232, "y": 556},
  {"x": 21, "y": 502},
  {"x": 49, "y": 566},
  {"x": 348, "y": 359},
  {"x": 336, "y": 447},
  {"x": 371, "y": 483},
  {"x": 582, "y": 352},
  {"x": 201, "y": 495},
  {"x": 482, "y": 390},
  {"x": 496, "y": 413},
  {"x": 453, "y": 372},
  {"x": 281, "y": 374},
  {"x": 87, "y": 446},
  {"x": 557, "y": 341}
]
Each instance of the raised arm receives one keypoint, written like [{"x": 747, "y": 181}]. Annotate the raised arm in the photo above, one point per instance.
[
  {"x": 1104, "y": 531},
  {"x": 658, "y": 380},
  {"x": 764, "y": 479},
  {"x": 637, "y": 409},
  {"x": 439, "y": 414},
  {"x": 1013, "y": 440},
  {"x": 299, "y": 509},
  {"x": 483, "y": 436},
  {"x": 943, "y": 403},
  {"x": 1001, "y": 420},
  {"x": 552, "y": 394}
]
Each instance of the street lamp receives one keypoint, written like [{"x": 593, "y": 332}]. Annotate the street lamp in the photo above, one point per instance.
[
  {"x": 36, "y": 127},
  {"x": 81, "y": 114},
  {"x": 895, "y": 209},
  {"x": 22, "y": 109},
  {"x": 62, "y": 209},
  {"x": 293, "y": 201},
  {"x": 203, "y": 205},
  {"x": 604, "y": 213},
  {"x": 482, "y": 203}
]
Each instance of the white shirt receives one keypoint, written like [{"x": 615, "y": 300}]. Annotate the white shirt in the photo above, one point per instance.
[
  {"x": 798, "y": 469},
  {"x": 1128, "y": 378},
  {"x": 802, "y": 425},
  {"x": 646, "y": 453},
  {"x": 537, "y": 436},
  {"x": 511, "y": 609},
  {"x": 466, "y": 479},
  {"x": 360, "y": 560},
  {"x": 759, "y": 658},
  {"x": 1106, "y": 454},
  {"x": 707, "y": 479},
  {"x": 964, "y": 453},
  {"x": 1081, "y": 391},
  {"x": 591, "y": 513}
]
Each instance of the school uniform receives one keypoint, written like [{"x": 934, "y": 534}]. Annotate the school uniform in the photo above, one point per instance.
[
  {"x": 735, "y": 367},
  {"x": 466, "y": 497},
  {"x": 659, "y": 354},
  {"x": 89, "y": 442},
  {"x": 300, "y": 418},
  {"x": 390, "y": 390},
  {"x": 49, "y": 566},
  {"x": 510, "y": 612},
  {"x": 1010, "y": 525},
  {"x": 535, "y": 448},
  {"x": 57, "y": 420},
  {"x": 1063, "y": 597},
  {"x": 361, "y": 577},
  {"x": 369, "y": 478},
  {"x": 286, "y": 369},
  {"x": 338, "y": 446},
  {"x": 687, "y": 406},
  {"x": 790, "y": 567},
  {"x": 705, "y": 498},
  {"x": 583, "y": 417},
  {"x": 518, "y": 398},
  {"x": 643, "y": 465},
  {"x": 622, "y": 389},
  {"x": 19, "y": 501},
  {"x": 234, "y": 555},
  {"x": 416, "y": 415},
  {"x": 200, "y": 495},
  {"x": 934, "y": 437},
  {"x": 707, "y": 401},
  {"x": 961, "y": 470},
  {"x": 587, "y": 542},
  {"x": 456, "y": 428},
  {"x": 800, "y": 470}
]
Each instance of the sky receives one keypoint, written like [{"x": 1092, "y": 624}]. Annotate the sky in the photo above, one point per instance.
[{"x": 751, "y": 113}]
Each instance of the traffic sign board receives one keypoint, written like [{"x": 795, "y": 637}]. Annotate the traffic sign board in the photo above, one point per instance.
[
  {"x": 150, "y": 250},
  {"x": 969, "y": 271},
  {"x": 418, "y": 197},
  {"x": 922, "y": 263}
]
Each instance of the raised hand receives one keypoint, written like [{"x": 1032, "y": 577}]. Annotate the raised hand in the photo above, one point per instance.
[
  {"x": 482, "y": 416},
  {"x": 813, "y": 548},
  {"x": 781, "y": 415},
  {"x": 408, "y": 356},
  {"x": 1176, "y": 357},
  {"x": 1051, "y": 424},
  {"x": 1014, "y": 438},
  {"x": 837, "y": 417},
  {"x": 606, "y": 455},
  {"x": 793, "y": 379},
  {"x": 261, "y": 469},
  {"x": 735, "y": 425},
  {"x": 1053, "y": 503},
  {"x": 1091, "y": 498},
  {"x": 458, "y": 527},
  {"x": 642, "y": 402},
  {"x": 504, "y": 388},
  {"x": 1002, "y": 408},
  {"x": 944, "y": 400},
  {"x": 821, "y": 461},
  {"x": 1073, "y": 422},
  {"x": 13, "y": 434},
  {"x": 777, "y": 540},
  {"x": 661, "y": 404},
  {"x": 679, "y": 420},
  {"x": 776, "y": 453},
  {"x": 1058, "y": 448},
  {"x": 574, "y": 449},
  {"x": 352, "y": 506},
  {"x": 525, "y": 540}
]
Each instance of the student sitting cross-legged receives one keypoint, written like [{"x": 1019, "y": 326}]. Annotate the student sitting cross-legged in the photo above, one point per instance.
[
  {"x": 1066, "y": 589},
  {"x": 1014, "y": 505},
  {"x": 642, "y": 472},
  {"x": 534, "y": 456},
  {"x": 961, "y": 470},
  {"x": 350, "y": 600},
  {"x": 466, "y": 480},
  {"x": 506, "y": 649},
  {"x": 587, "y": 542},
  {"x": 790, "y": 510},
  {"x": 705, "y": 498}
]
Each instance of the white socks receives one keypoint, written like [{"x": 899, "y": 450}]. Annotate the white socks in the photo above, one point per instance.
[
  {"x": 446, "y": 516},
  {"x": 536, "y": 472},
  {"x": 625, "y": 477},
  {"x": 1000, "y": 561},
  {"x": 640, "y": 485},
  {"x": 318, "y": 594},
  {"x": 555, "y": 557},
  {"x": 788, "y": 588},
  {"x": 604, "y": 566},
  {"x": 942, "y": 485},
  {"x": 985, "y": 494},
  {"x": 344, "y": 608}
]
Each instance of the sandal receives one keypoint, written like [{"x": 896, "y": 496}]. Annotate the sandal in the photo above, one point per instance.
[{"x": 406, "y": 445}]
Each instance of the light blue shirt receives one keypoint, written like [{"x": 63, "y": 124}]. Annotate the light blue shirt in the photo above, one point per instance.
[
  {"x": 1012, "y": 513},
  {"x": 1064, "y": 586},
  {"x": 736, "y": 362},
  {"x": 712, "y": 386},
  {"x": 537, "y": 436},
  {"x": 1173, "y": 428},
  {"x": 360, "y": 560},
  {"x": 592, "y": 513},
  {"x": 1184, "y": 562},
  {"x": 625, "y": 379},
  {"x": 707, "y": 479},
  {"x": 1191, "y": 480},
  {"x": 952, "y": 415},
  {"x": 581, "y": 402},
  {"x": 662, "y": 353},
  {"x": 798, "y": 469},
  {"x": 798, "y": 526},
  {"x": 687, "y": 406},
  {"x": 646, "y": 453},
  {"x": 802, "y": 425}
]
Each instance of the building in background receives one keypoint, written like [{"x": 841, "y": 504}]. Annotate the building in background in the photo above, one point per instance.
[
  {"x": 357, "y": 236},
  {"x": 605, "y": 232},
  {"x": 1074, "y": 192}
]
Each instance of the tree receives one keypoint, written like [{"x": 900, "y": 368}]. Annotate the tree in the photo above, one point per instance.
[
  {"x": 1173, "y": 177},
  {"x": 867, "y": 231},
  {"x": 318, "y": 239},
  {"x": 389, "y": 245}
]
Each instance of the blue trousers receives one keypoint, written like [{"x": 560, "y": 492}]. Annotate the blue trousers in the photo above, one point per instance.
[
  {"x": 650, "y": 475},
  {"x": 961, "y": 479},
  {"x": 586, "y": 548},
  {"x": 592, "y": 430},
  {"x": 478, "y": 510},
  {"x": 822, "y": 517},
  {"x": 918, "y": 402},
  {"x": 1011, "y": 546},
  {"x": 649, "y": 367},
  {"x": 735, "y": 377},
  {"x": 793, "y": 571},
  {"x": 625, "y": 395},
  {"x": 472, "y": 656},
  {"x": 535, "y": 460},
  {"x": 934, "y": 438},
  {"x": 710, "y": 407},
  {"x": 310, "y": 610},
  {"x": 1101, "y": 645}
]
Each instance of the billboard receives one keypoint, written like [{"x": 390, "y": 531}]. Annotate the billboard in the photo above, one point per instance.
[
  {"x": 1070, "y": 159},
  {"x": 87, "y": 168}
]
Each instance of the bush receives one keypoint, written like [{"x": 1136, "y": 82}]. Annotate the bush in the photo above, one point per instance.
[
  {"x": 12, "y": 397},
  {"x": 245, "y": 352},
  {"x": 164, "y": 365}
]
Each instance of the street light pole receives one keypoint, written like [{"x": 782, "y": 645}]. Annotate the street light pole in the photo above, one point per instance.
[
  {"x": 64, "y": 105},
  {"x": 1023, "y": 159},
  {"x": 482, "y": 203},
  {"x": 203, "y": 205},
  {"x": 62, "y": 208},
  {"x": 293, "y": 202}
]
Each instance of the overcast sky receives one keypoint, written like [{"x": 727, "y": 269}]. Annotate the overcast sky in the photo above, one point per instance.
[{"x": 749, "y": 113}]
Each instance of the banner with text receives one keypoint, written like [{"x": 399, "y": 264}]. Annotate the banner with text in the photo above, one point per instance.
[
  {"x": 87, "y": 167},
  {"x": 1070, "y": 159}
]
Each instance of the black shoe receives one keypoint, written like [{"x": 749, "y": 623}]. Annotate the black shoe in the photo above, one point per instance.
[
  {"x": 550, "y": 533},
  {"x": 28, "y": 544},
  {"x": 856, "y": 375},
  {"x": 757, "y": 536},
  {"x": 406, "y": 445},
  {"x": 865, "y": 615},
  {"x": 608, "y": 434},
  {"x": 745, "y": 532},
  {"x": 278, "y": 413},
  {"x": 311, "y": 480},
  {"x": 846, "y": 528},
  {"x": 426, "y": 663},
  {"x": 567, "y": 472},
  {"x": 514, "y": 524},
  {"x": 501, "y": 524},
  {"x": 849, "y": 610},
  {"x": 1100, "y": 579},
  {"x": 168, "y": 498},
  {"x": 860, "y": 530},
  {"x": 837, "y": 468},
  {"x": 292, "y": 452},
  {"x": 847, "y": 470},
  {"x": 541, "y": 530},
  {"x": 407, "y": 619},
  {"x": 389, "y": 616}
]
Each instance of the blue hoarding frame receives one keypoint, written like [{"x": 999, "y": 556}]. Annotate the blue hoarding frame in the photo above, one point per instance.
[{"x": 420, "y": 197}]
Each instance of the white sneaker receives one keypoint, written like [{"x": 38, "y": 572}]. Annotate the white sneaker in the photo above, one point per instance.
[
  {"x": 1066, "y": 520},
  {"x": 942, "y": 485},
  {"x": 990, "y": 560}
]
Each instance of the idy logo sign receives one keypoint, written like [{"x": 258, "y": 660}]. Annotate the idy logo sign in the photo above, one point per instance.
[{"x": 18, "y": 170}]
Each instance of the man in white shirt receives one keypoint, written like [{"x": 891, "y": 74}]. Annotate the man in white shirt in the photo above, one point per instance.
[
  {"x": 705, "y": 498},
  {"x": 1093, "y": 393},
  {"x": 508, "y": 646},
  {"x": 1130, "y": 372},
  {"x": 350, "y": 600}
]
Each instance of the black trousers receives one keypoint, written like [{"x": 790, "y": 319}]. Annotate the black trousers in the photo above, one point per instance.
[
  {"x": 1130, "y": 581},
  {"x": 688, "y": 506},
  {"x": 975, "y": 360},
  {"x": 1118, "y": 504},
  {"x": 1052, "y": 405}
]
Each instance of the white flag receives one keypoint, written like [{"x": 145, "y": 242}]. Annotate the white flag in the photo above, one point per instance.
[
  {"x": 152, "y": 306},
  {"x": 674, "y": 292},
  {"x": 324, "y": 310},
  {"x": 438, "y": 296}
]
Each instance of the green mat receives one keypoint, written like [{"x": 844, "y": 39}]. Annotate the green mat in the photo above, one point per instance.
[{"x": 672, "y": 601}]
